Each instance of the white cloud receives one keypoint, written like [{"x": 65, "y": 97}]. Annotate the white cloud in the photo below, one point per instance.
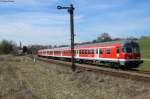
[
  {"x": 36, "y": 21},
  {"x": 36, "y": 27},
  {"x": 124, "y": 28}
]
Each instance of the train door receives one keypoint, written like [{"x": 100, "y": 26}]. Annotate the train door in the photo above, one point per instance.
[
  {"x": 118, "y": 53},
  {"x": 100, "y": 52},
  {"x": 96, "y": 54},
  {"x": 77, "y": 53}
]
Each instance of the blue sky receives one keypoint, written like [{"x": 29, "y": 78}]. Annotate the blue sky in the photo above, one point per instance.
[{"x": 39, "y": 22}]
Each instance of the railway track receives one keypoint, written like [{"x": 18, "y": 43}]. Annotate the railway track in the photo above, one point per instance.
[{"x": 133, "y": 74}]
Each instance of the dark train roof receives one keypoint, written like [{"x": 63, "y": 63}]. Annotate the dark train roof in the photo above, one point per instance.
[{"x": 123, "y": 42}]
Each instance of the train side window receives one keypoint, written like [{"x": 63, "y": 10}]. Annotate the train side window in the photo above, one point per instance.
[
  {"x": 82, "y": 51},
  {"x": 85, "y": 51},
  {"x": 89, "y": 52},
  {"x": 100, "y": 51},
  {"x": 117, "y": 50},
  {"x": 108, "y": 51},
  {"x": 93, "y": 51},
  {"x": 79, "y": 51}
]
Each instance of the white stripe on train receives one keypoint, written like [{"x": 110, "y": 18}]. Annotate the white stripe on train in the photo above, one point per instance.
[{"x": 91, "y": 58}]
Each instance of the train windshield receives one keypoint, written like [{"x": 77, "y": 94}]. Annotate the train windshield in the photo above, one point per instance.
[
  {"x": 130, "y": 50},
  {"x": 136, "y": 50}
]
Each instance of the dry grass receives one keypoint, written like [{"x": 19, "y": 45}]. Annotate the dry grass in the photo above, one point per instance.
[{"x": 21, "y": 78}]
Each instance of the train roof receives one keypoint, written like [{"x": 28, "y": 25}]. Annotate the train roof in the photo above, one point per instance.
[
  {"x": 119, "y": 42},
  {"x": 122, "y": 42}
]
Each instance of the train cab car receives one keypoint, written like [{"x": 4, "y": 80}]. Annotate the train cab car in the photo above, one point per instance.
[{"x": 130, "y": 55}]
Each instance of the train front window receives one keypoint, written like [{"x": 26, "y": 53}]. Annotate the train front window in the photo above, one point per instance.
[
  {"x": 131, "y": 50},
  {"x": 127, "y": 50},
  {"x": 136, "y": 50}
]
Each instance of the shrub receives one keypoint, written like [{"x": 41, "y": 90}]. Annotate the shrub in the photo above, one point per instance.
[{"x": 6, "y": 47}]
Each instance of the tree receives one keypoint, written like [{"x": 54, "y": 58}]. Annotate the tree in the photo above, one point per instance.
[
  {"x": 24, "y": 49},
  {"x": 7, "y": 47},
  {"x": 32, "y": 49},
  {"x": 104, "y": 37}
]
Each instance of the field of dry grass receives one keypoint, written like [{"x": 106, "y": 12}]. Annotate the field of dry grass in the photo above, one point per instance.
[{"x": 21, "y": 78}]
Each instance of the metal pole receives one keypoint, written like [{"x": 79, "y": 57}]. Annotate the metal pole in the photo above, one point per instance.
[{"x": 71, "y": 11}]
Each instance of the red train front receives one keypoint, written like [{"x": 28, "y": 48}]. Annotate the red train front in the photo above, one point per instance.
[{"x": 116, "y": 54}]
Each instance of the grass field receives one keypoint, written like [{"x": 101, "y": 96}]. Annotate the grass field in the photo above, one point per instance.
[
  {"x": 145, "y": 52},
  {"x": 21, "y": 78}
]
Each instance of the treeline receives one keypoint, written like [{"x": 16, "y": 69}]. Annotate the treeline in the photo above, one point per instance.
[
  {"x": 9, "y": 47},
  {"x": 32, "y": 49}
]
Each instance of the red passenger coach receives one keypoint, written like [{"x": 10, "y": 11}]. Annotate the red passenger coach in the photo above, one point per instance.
[{"x": 116, "y": 53}]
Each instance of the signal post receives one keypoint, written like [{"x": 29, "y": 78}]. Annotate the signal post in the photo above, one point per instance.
[{"x": 70, "y": 10}]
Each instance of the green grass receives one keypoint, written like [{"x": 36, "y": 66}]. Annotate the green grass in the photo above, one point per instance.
[
  {"x": 145, "y": 52},
  {"x": 145, "y": 47}
]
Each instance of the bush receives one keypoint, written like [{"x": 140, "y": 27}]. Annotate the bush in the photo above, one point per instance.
[{"x": 7, "y": 47}]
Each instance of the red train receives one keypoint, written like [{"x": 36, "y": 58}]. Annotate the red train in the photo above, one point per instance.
[{"x": 116, "y": 53}]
